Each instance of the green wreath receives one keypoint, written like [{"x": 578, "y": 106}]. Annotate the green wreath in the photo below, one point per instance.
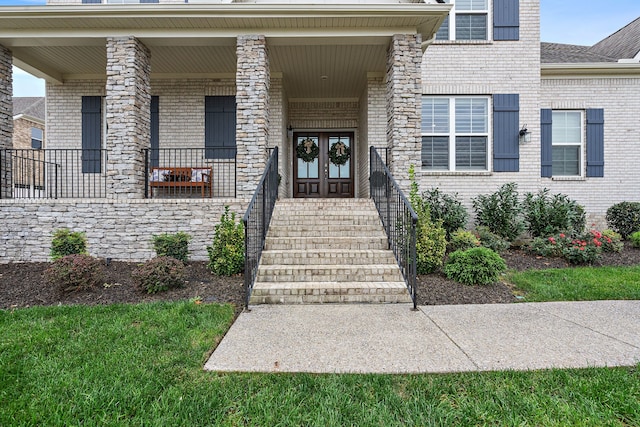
[
  {"x": 308, "y": 150},
  {"x": 335, "y": 156}
]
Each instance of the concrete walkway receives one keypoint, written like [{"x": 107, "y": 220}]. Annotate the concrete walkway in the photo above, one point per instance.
[{"x": 392, "y": 338}]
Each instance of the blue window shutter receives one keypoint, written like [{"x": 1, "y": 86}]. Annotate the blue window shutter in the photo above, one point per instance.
[
  {"x": 91, "y": 134},
  {"x": 155, "y": 132},
  {"x": 546, "y": 151},
  {"x": 91, "y": 1},
  {"x": 595, "y": 143},
  {"x": 506, "y": 19},
  {"x": 506, "y": 120},
  {"x": 220, "y": 127},
  {"x": 149, "y": 1}
]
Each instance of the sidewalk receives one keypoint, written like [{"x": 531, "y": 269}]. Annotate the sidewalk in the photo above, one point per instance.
[{"x": 392, "y": 338}]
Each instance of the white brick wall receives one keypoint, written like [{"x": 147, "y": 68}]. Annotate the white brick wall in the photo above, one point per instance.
[{"x": 620, "y": 98}]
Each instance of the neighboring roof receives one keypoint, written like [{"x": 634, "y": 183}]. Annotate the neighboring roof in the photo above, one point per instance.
[
  {"x": 623, "y": 44},
  {"x": 555, "y": 53},
  {"x": 31, "y": 106}
]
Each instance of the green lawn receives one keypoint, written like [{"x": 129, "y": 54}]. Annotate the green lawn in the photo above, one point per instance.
[
  {"x": 142, "y": 365},
  {"x": 579, "y": 284}
]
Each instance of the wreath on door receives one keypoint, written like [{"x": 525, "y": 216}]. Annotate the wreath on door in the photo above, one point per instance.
[
  {"x": 307, "y": 150},
  {"x": 339, "y": 153}
]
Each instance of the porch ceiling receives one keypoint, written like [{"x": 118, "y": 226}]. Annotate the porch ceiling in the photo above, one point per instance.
[{"x": 306, "y": 42}]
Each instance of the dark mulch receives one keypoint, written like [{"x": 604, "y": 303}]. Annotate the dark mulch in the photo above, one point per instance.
[
  {"x": 436, "y": 289},
  {"x": 23, "y": 284}
]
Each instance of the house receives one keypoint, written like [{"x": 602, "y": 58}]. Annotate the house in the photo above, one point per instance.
[
  {"x": 28, "y": 139},
  {"x": 143, "y": 98}
]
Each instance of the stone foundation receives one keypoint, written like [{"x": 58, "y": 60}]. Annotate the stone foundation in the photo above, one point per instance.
[
  {"x": 6, "y": 116},
  {"x": 121, "y": 230}
]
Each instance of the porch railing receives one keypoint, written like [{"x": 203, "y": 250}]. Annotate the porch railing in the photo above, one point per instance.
[
  {"x": 53, "y": 173},
  {"x": 257, "y": 219},
  {"x": 398, "y": 218},
  {"x": 190, "y": 172}
]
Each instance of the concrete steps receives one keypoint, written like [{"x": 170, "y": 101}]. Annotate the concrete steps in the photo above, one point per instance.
[{"x": 327, "y": 251}]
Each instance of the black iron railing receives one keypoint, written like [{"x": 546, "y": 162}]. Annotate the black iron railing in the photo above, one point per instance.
[
  {"x": 53, "y": 173},
  {"x": 398, "y": 218},
  {"x": 257, "y": 219},
  {"x": 190, "y": 172}
]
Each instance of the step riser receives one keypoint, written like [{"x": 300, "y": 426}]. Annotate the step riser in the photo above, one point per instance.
[
  {"x": 277, "y": 277},
  {"x": 268, "y": 259},
  {"x": 287, "y": 244},
  {"x": 323, "y": 222},
  {"x": 283, "y": 233}
]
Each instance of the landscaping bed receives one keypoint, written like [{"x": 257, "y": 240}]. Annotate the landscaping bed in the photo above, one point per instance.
[{"x": 23, "y": 284}]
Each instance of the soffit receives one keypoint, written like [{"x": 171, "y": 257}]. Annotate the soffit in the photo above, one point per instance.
[{"x": 306, "y": 42}]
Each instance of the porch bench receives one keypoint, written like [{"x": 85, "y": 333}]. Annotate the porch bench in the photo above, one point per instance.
[{"x": 182, "y": 178}]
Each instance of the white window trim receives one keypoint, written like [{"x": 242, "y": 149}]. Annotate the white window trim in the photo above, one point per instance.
[
  {"x": 583, "y": 137},
  {"x": 452, "y": 135},
  {"x": 452, "y": 23}
]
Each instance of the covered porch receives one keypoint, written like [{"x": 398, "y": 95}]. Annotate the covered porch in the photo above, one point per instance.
[{"x": 153, "y": 85}]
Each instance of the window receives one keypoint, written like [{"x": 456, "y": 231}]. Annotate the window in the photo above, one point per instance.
[
  {"x": 36, "y": 138},
  {"x": 92, "y": 120},
  {"x": 567, "y": 142},
  {"x": 455, "y": 133},
  {"x": 468, "y": 20},
  {"x": 220, "y": 127}
]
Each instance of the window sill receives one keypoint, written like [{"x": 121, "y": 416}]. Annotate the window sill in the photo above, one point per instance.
[
  {"x": 568, "y": 178},
  {"x": 455, "y": 173},
  {"x": 463, "y": 42}
]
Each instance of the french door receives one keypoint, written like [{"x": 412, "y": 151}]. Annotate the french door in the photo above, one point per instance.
[{"x": 323, "y": 164}]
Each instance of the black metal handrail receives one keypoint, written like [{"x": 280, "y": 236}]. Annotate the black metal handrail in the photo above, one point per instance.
[
  {"x": 257, "y": 219},
  {"x": 398, "y": 218},
  {"x": 53, "y": 173}
]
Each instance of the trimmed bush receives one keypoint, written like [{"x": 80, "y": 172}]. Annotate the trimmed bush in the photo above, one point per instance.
[
  {"x": 476, "y": 266},
  {"x": 547, "y": 214},
  {"x": 624, "y": 218},
  {"x": 635, "y": 239},
  {"x": 226, "y": 254},
  {"x": 172, "y": 245},
  {"x": 159, "y": 274},
  {"x": 446, "y": 208},
  {"x": 462, "y": 240},
  {"x": 66, "y": 242},
  {"x": 501, "y": 212},
  {"x": 611, "y": 241},
  {"x": 76, "y": 272},
  {"x": 431, "y": 242},
  {"x": 491, "y": 240}
]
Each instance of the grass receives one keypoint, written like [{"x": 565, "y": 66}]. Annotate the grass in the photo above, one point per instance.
[
  {"x": 579, "y": 284},
  {"x": 142, "y": 365}
]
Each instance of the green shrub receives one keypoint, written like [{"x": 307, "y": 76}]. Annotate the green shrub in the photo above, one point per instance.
[
  {"x": 226, "y": 254},
  {"x": 624, "y": 218},
  {"x": 547, "y": 214},
  {"x": 431, "y": 241},
  {"x": 75, "y": 272},
  {"x": 476, "y": 266},
  {"x": 501, "y": 212},
  {"x": 548, "y": 246},
  {"x": 635, "y": 239},
  {"x": 159, "y": 274},
  {"x": 611, "y": 241},
  {"x": 585, "y": 249},
  {"x": 446, "y": 208},
  {"x": 462, "y": 240},
  {"x": 490, "y": 240},
  {"x": 66, "y": 242},
  {"x": 172, "y": 245}
]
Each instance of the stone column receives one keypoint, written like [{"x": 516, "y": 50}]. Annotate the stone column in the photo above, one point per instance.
[
  {"x": 128, "y": 116},
  {"x": 252, "y": 100},
  {"x": 404, "y": 94},
  {"x": 6, "y": 120}
]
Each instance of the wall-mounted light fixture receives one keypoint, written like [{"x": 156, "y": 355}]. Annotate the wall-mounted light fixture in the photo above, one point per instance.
[
  {"x": 524, "y": 135},
  {"x": 290, "y": 132}
]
